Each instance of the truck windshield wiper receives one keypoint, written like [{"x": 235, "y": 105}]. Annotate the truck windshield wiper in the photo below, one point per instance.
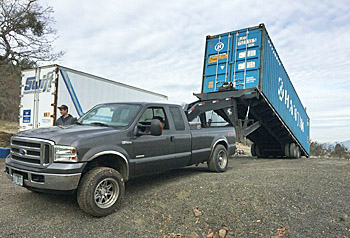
[{"x": 100, "y": 124}]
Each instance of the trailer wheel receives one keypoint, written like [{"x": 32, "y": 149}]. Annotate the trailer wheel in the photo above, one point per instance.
[
  {"x": 219, "y": 159},
  {"x": 252, "y": 150},
  {"x": 286, "y": 150},
  {"x": 101, "y": 191},
  {"x": 298, "y": 153},
  {"x": 259, "y": 151},
  {"x": 293, "y": 150}
]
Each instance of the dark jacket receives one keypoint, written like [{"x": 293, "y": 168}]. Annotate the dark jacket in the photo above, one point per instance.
[{"x": 69, "y": 121}]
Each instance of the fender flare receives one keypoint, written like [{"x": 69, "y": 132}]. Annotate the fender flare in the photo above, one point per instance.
[
  {"x": 215, "y": 142},
  {"x": 112, "y": 152}
]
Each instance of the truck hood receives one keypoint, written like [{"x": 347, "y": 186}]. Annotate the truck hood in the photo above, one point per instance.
[{"x": 67, "y": 135}]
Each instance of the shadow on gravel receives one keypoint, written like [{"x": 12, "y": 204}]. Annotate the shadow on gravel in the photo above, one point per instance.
[
  {"x": 50, "y": 197},
  {"x": 265, "y": 158},
  {"x": 53, "y": 204},
  {"x": 142, "y": 183}
]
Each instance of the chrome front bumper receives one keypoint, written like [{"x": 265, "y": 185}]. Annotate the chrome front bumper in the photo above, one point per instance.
[{"x": 50, "y": 181}]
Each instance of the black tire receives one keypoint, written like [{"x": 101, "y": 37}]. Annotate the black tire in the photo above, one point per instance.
[
  {"x": 298, "y": 153},
  {"x": 96, "y": 181},
  {"x": 292, "y": 150},
  {"x": 252, "y": 150},
  {"x": 286, "y": 150},
  {"x": 215, "y": 164},
  {"x": 259, "y": 151}
]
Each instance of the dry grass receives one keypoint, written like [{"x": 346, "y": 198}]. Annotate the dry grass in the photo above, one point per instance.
[
  {"x": 8, "y": 126},
  {"x": 7, "y": 129}
]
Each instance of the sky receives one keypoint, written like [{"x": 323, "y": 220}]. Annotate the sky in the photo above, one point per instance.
[{"x": 159, "y": 46}]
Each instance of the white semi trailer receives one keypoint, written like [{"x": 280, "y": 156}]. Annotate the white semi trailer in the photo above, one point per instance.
[{"x": 44, "y": 88}]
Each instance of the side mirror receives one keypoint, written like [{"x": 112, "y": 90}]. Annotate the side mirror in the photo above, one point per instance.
[
  {"x": 156, "y": 127},
  {"x": 136, "y": 131}
]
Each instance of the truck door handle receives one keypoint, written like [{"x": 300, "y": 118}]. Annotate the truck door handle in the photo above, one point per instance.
[{"x": 172, "y": 138}]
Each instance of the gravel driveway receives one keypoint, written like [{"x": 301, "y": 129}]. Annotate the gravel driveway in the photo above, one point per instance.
[{"x": 254, "y": 198}]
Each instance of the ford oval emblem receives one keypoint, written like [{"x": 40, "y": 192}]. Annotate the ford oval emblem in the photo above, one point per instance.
[{"x": 22, "y": 151}]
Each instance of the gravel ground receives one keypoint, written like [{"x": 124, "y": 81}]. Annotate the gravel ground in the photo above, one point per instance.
[{"x": 254, "y": 198}]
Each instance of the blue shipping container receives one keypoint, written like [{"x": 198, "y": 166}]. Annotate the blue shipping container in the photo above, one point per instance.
[{"x": 248, "y": 59}]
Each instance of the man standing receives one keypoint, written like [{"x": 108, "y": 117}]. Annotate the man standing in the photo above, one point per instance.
[{"x": 65, "y": 119}]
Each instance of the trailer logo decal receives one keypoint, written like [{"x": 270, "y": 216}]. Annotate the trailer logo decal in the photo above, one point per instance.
[
  {"x": 26, "y": 116},
  {"x": 283, "y": 94},
  {"x": 219, "y": 46},
  {"x": 37, "y": 86}
]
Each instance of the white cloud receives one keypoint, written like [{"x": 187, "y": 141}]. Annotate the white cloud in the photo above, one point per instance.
[{"x": 159, "y": 46}]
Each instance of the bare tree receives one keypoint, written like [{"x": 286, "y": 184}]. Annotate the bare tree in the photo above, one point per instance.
[{"x": 26, "y": 33}]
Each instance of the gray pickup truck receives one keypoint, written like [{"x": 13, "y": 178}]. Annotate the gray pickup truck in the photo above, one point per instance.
[{"x": 111, "y": 144}]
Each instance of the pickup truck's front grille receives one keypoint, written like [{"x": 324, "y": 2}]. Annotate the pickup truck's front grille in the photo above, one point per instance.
[
  {"x": 26, "y": 160},
  {"x": 30, "y": 151}
]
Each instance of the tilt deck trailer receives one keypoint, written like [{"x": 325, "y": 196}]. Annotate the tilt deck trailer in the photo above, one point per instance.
[
  {"x": 245, "y": 82},
  {"x": 253, "y": 117}
]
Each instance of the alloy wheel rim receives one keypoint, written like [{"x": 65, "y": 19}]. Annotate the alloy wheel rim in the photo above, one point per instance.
[
  {"x": 222, "y": 159},
  {"x": 106, "y": 193}
]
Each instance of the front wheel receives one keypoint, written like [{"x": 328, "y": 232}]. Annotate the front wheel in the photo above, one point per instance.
[
  {"x": 101, "y": 191},
  {"x": 218, "y": 161}
]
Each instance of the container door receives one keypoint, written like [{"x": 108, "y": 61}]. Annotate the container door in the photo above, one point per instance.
[
  {"x": 37, "y": 95},
  {"x": 46, "y": 97},
  {"x": 245, "y": 59},
  {"x": 234, "y": 58},
  {"x": 28, "y": 96},
  {"x": 216, "y": 65}
]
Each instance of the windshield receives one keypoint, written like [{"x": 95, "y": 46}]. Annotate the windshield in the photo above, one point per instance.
[{"x": 116, "y": 115}]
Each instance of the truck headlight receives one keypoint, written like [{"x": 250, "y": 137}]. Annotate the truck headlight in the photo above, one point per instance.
[{"x": 65, "y": 154}]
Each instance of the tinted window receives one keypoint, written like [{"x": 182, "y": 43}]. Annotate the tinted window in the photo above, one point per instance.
[
  {"x": 154, "y": 113},
  {"x": 177, "y": 117},
  {"x": 119, "y": 115}
]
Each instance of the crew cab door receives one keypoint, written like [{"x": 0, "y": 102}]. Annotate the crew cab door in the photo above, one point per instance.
[
  {"x": 181, "y": 137},
  {"x": 153, "y": 153}
]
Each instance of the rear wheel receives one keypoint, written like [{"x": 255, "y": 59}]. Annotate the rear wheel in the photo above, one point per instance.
[
  {"x": 298, "y": 153},
  {"x": 292, "y": 150},
  {"x": 219, "y": 159},
  {"x": 101, "y": 191},
  {"x": 259, "y": 151},
  {"x": 286, "y": 150},
  {"x": 252, "y": 150}
]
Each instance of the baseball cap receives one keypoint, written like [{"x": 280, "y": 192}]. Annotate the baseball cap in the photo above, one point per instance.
[{"x": 63, "y": 107}]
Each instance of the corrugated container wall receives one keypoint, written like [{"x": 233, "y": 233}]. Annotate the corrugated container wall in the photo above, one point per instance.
[{"x": 248, "y": 59}]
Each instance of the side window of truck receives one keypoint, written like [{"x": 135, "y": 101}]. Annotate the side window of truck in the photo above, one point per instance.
[
  {"x": 177, "y": 117},
  {"x": 154, "y": 113}
]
